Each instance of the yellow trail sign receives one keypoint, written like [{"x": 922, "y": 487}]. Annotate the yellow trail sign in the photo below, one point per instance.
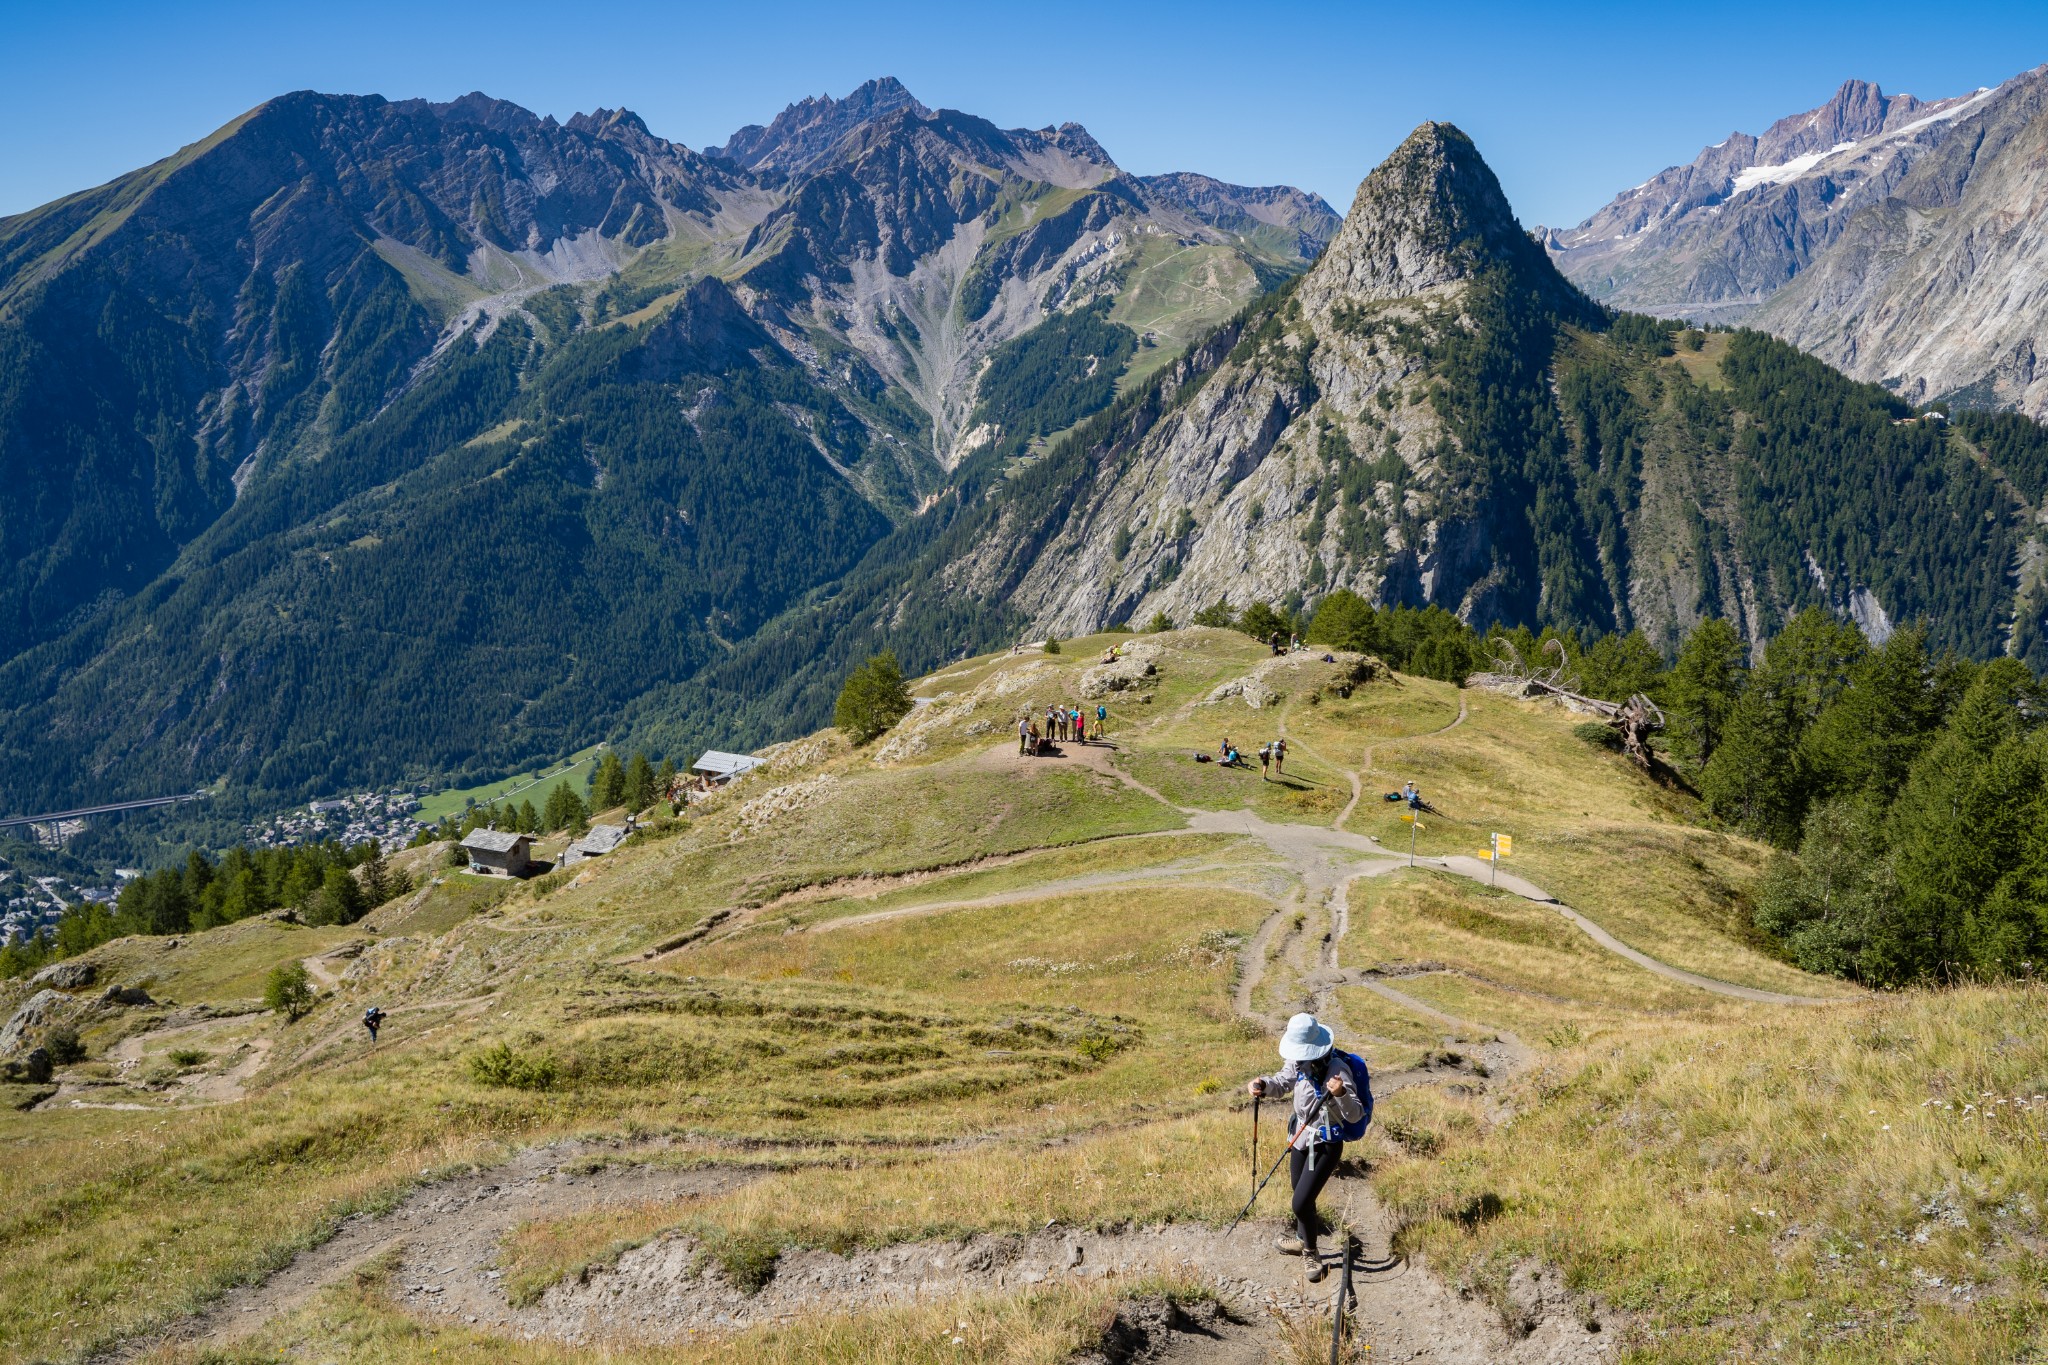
[
  {"x": 1504, "y": 845},
  {"x": 1408, "y": 817},
  {"x": 1487, "y": 854}
]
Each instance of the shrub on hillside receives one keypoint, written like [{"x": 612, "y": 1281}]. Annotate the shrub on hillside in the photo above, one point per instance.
[
  {"x": 288, "y": 991},
  {"x": 63, "y": 1045},
  {"x": 507, "y": 1066},
  {"x": 873, "y": 699}
]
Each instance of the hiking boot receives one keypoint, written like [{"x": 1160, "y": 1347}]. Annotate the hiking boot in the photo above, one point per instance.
[
  {"x": 1287, "y": 1246},
  {"x": 1312, "y": 1268}
]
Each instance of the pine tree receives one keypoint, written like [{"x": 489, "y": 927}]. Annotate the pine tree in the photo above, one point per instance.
[
  {"x": 1960, "y": 827},
  {"x": 1702, "y": 689},
  {"x": 1868, "y": 737},
  {"x": 873, "y": 699},
  {"x": 1617, "y": 667},
  {"x": 564, "y": 808},
  {"x": 1345, "y": 620},
  {"x": 608, "y": 782},
  {"x": 529, "y": 821},
  {"x": 1753, "y": 779},
  {"x": 639, "y": 783}
]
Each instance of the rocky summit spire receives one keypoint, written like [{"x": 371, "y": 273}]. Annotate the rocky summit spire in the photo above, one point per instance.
[
  {"x": 809, "y": 128},
  {"x": 1432, "y": 214}
]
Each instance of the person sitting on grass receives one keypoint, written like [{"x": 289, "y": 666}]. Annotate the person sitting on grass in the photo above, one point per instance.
[{"x": 1317, "y": 1074}]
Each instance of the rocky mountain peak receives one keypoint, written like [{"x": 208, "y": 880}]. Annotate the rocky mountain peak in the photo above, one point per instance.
[
  {"x": 811, "y": 127},
  {"x": 600, "y": 121},
  {"x": 1431, "y": 214}
]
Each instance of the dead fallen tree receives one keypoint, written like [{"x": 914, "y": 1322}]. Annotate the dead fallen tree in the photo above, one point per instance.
[{"x": 1634, "y": 720}]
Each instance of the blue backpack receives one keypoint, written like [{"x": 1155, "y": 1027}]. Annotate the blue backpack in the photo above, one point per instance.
[{"x": 1352, "y": 1132}]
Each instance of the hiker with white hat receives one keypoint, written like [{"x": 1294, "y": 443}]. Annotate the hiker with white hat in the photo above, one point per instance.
[{"x": 1332, "y": 1106}]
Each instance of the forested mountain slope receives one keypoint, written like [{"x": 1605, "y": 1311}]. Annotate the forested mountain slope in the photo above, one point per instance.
[
  {"x": 1433, "y": 415},
  {"x": 371, "y": 438}
]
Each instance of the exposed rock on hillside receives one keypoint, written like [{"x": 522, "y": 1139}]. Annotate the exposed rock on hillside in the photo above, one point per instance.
[
  {"x": 1942, "y": 288},
  {"x": 1894, "y": 238},
  {"x": 1712, "y": 239},
  {"x": 1432, "y": 416}
]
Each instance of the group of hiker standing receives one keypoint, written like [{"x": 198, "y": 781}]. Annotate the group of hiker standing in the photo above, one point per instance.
[{"x": 1062, "y": 723}]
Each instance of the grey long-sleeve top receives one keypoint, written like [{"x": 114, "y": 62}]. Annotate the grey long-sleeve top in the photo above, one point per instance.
[{"x": 1345, "y": 1108}]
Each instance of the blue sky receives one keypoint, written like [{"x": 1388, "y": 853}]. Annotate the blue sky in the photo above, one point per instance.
[{"x": 1569, "y": 102}]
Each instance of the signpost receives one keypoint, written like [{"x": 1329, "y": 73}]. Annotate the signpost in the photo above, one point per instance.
[
  {"x": 1503, "y": 847},
  {"x": 1413, "y": 825}
]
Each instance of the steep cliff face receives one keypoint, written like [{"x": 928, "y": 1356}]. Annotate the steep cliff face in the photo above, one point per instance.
[
  {"x": 1942, "y": 289},
  {"x": 924, "y": 240},
  {"x": 1432, "y": 415},
  {"x": 1713, "y": 239},
  {"x": 1893, "y": 238},
  {"x": 1314, "y": 444}
]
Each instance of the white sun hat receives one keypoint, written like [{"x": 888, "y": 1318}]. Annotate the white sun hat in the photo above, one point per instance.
[{"x": 1305, "y": 1039}]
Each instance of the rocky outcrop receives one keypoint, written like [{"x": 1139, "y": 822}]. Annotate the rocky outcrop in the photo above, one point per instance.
[
  {"x": 37, "y": 1013},
  {"x": 1429, "y": 216},
  {"x": 1274, "y": 680},
  {"x": 1127, "y": 673},
  {"x": 1228, "y": 489},
  {"x": 66, "y": 976}
]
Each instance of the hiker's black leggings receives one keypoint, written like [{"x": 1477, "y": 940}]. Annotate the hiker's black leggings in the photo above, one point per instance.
[{"x": 1310, "y": 1171}]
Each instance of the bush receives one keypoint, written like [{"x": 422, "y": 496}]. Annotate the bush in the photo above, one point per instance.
[
  {"x": 873, "y": 699},
  {"x": 1159, "y": 622},
  {"x": 188, "y": 1056},
  {"x": 1600, "y": 736},
  {"x": 507, "y": 1066},
  {"x": 1052, "y": 644},
  {"x": 747, "y": 1259},
  {"x": 63, "y": 1046},
  {"x": 289, "y": 991}
]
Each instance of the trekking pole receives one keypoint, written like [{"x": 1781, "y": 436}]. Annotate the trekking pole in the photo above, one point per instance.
[
  {"x": 1343, "y": 1293},
  {"x": 1255, "y": 1144},
  {"x": 1285, "y": 1151}
]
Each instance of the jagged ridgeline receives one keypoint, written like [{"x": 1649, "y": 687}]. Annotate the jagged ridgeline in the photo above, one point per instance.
[
  {"x": 1432, "y": 415},
  {"x": 367, "y": 440}
]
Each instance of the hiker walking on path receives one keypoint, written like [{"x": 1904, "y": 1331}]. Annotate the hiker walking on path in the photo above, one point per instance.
[
  {"x": 1023, "y": 735},
  {"x": 1265, "y": 757},
  {"x": 372, "y": 1019},
  {"x": 1280, "y": 757},
  {"x": 1101, "y": 719},
  {"x": 1332, "y": 1106}
]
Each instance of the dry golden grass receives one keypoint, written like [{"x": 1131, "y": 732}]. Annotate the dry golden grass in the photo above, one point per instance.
[
  {"x": 1408, "y": 917},
  {"x": 1657, "y": 1118},
  {"x": 1814, "y": 1192}
]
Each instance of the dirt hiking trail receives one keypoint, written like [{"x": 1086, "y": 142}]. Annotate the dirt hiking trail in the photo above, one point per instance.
[{"x": 445, "y": 1237}]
